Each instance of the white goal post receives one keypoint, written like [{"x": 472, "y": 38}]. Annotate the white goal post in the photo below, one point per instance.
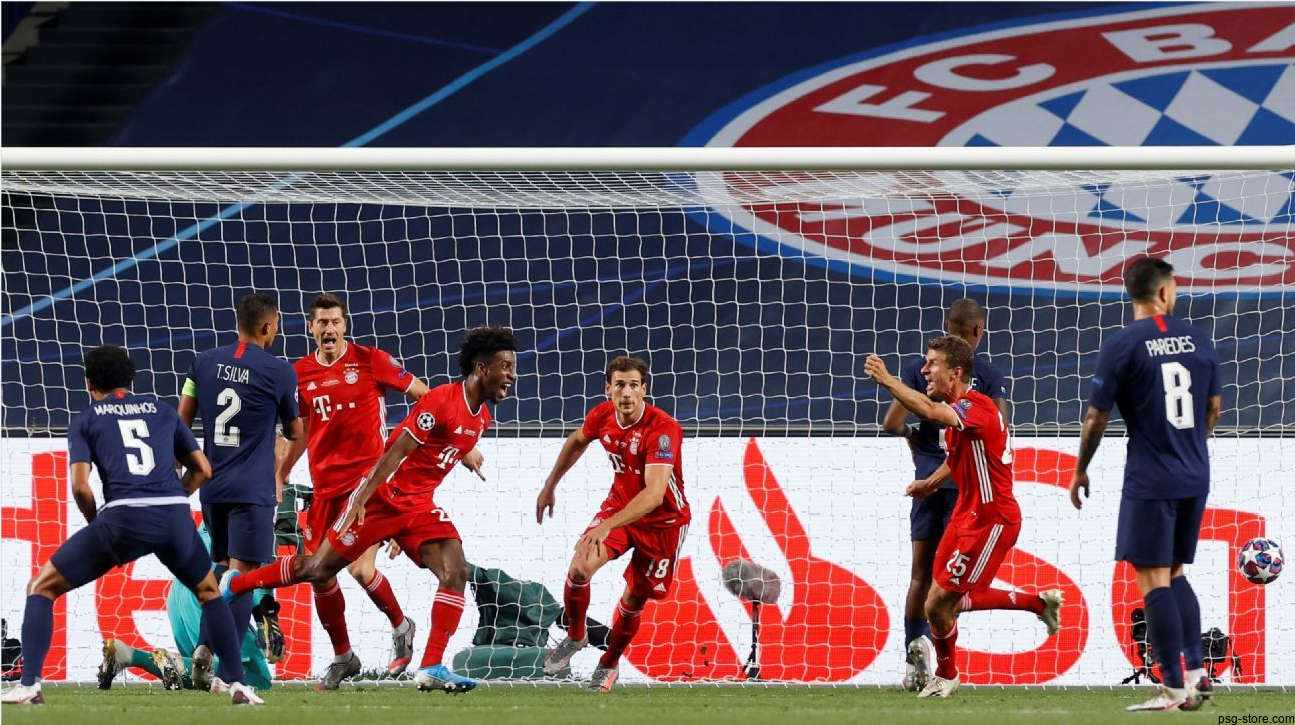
[{"x": 755, "y": 280}]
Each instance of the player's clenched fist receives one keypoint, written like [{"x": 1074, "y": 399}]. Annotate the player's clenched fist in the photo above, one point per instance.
[{"x": 875, "y": 368}]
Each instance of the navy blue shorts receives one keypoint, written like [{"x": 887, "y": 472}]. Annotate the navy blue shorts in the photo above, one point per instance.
[
  {"x": 243, "y": 531},
  {"x": 122, "y": 534},
  {"x": 1159, "y": 532},
  {"x": 929, "y": 516}
]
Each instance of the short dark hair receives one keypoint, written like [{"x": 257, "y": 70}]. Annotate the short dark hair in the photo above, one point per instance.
[
  {"x": 109, "y": 367},
  {"x": 957, "y": 351},
  {"x": 481, "y": 344},
  {"x": 624, "y": 364},
  {"x": 966, "y": 313},
  {"x": 255, "y": 309},
  {"x": 1144, "y": 277},
  {"x": 326, "y": 301}
]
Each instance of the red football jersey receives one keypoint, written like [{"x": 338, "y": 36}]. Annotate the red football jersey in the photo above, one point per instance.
[
  {"x": 446, "y": 429},
  {"x": 980, "y": 457},
  {"x": 655, "y": 438},
  {"x": 346, "y": 413}
]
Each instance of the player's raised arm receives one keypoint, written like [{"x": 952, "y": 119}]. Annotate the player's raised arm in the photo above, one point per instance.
[
  {"x": 572, "y": 449},
  {"x": 916, "y": 403}
]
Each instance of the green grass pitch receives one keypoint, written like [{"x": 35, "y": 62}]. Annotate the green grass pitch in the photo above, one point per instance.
[{"x": 291, "y": 705}]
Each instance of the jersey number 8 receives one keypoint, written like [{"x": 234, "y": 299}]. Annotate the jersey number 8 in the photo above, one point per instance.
[{"x": 1178, "y": 395}]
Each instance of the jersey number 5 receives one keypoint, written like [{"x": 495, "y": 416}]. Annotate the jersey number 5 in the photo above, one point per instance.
[
  {"x": 139, "y": 455},
  {"x": 1179, "y": 410}
]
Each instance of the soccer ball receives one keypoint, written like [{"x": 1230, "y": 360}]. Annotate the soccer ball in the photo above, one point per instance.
[{"x": 1260, "y": 560}]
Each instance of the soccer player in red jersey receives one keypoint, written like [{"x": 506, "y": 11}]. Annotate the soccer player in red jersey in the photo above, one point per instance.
[
  {"x": 395, "y": 501},
  {"x": 341, "y": 388},
  {"x": 645, "y": 511},
  {"x": 986, "y": 519}
]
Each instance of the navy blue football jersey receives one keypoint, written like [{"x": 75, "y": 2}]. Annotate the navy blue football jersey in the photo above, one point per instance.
[
  {"x": 1160, "y": 371},
  {"x": 928, "y": 440},
  {"x": 243, "y": 391},
  {"x": 134, "y": 441}
]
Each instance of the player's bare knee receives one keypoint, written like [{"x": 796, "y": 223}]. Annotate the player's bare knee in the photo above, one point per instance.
[
  {"x": 48, "y": 583},
  {"x": 362, "y": 570},
  {"x": 453, "y": 576},
  {"x": 581, "y": 571}
]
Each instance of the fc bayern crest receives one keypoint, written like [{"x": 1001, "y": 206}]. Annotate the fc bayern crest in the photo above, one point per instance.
[
  {"x": 352, "y": 377},
  {"x": 1186, "y": 75}
]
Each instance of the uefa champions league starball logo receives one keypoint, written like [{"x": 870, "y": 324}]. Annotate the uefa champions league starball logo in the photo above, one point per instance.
[{"x": 1185, "y": 75}]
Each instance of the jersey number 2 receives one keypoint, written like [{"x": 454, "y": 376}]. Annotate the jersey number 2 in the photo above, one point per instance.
[
  {"x": 139, "y": 454},
  {"x": 1179, "y": 410},
  {"x": 226, "y": 434}
]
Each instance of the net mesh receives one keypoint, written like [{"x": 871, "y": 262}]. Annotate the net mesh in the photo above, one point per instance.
[{"x": 755, "y": 295}]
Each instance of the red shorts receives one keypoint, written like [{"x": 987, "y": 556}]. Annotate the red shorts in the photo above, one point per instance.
[
  {"x": 968, "y": 558},
  {"x": 384, "y": 521},
  {"x": 650, "y": 573},
  {"x": 322, "y": 514}
]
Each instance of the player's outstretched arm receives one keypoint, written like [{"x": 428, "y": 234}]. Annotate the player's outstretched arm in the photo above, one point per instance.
[
  {"x": 81, "y": 491},
  {"x": 916, "y": 403},
  {"x": 197, "y": 470},
  {"x": 1095, "y": 422},
  {"x": 405, "y": 445},
  {"x": 572, "y": 449}
]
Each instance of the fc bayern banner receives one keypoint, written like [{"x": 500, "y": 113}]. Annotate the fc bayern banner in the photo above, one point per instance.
[{"x": 827, "y": 515}]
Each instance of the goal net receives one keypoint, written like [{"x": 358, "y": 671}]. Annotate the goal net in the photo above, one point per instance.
[{"x": 755, "y": 295}]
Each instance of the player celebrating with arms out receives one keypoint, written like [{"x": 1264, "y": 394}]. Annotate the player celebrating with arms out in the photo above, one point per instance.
[
  {"x": 645, "y": 511},
  {"x": 395, "y": 501},
  {"x": 1164, "y": 375},
  {"x": 986, "y": 519},
  {"x": 133, "y": 440},
  {"x": 929, "y": 516},
  {"x": 341, "y": 388}
]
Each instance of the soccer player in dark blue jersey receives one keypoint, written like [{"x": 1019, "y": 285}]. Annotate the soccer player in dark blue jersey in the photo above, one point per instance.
[
  {"x": 242, "y": 391},
  {"x": 134, "y": 441},
  {"x": 929, "y": 516},
  {"x": 1164, "y": 376}
]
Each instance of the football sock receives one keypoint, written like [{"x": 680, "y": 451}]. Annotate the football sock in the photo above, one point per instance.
[
  {"x": 1165, "y": 633},
  {"x": 989, "y": 598},
  {"x": 1190, "y": 609},
  {"x": 625, "y": 624},
  {"x": 379, "y": 590},
  {"x": 144, "y": 661},
  {"x": 218, "y": 620},
  {"x": 37, "y": 631},
  {"x": 575, "y": 597},
  {"x": 946, "y": 649},
  {"x": 914, "y": 628},
  {"x": 447, "y": 609},
  {"x": 271, "y": 576},
  {"x": 330, "y": 606}
]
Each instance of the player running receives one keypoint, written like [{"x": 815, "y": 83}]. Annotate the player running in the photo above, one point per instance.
[
  {"x": 1164, "y": 376},
  {"x": 929, "y": 516},
  {"x": 396, "y": 499},
  {"x": 134, "y": 441},
  {"x": 986, "y": 519},
  {"x": 341, "y": 387},
  {"x": 645, "y": 511},
  {"x": 241, "y": 391}
]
